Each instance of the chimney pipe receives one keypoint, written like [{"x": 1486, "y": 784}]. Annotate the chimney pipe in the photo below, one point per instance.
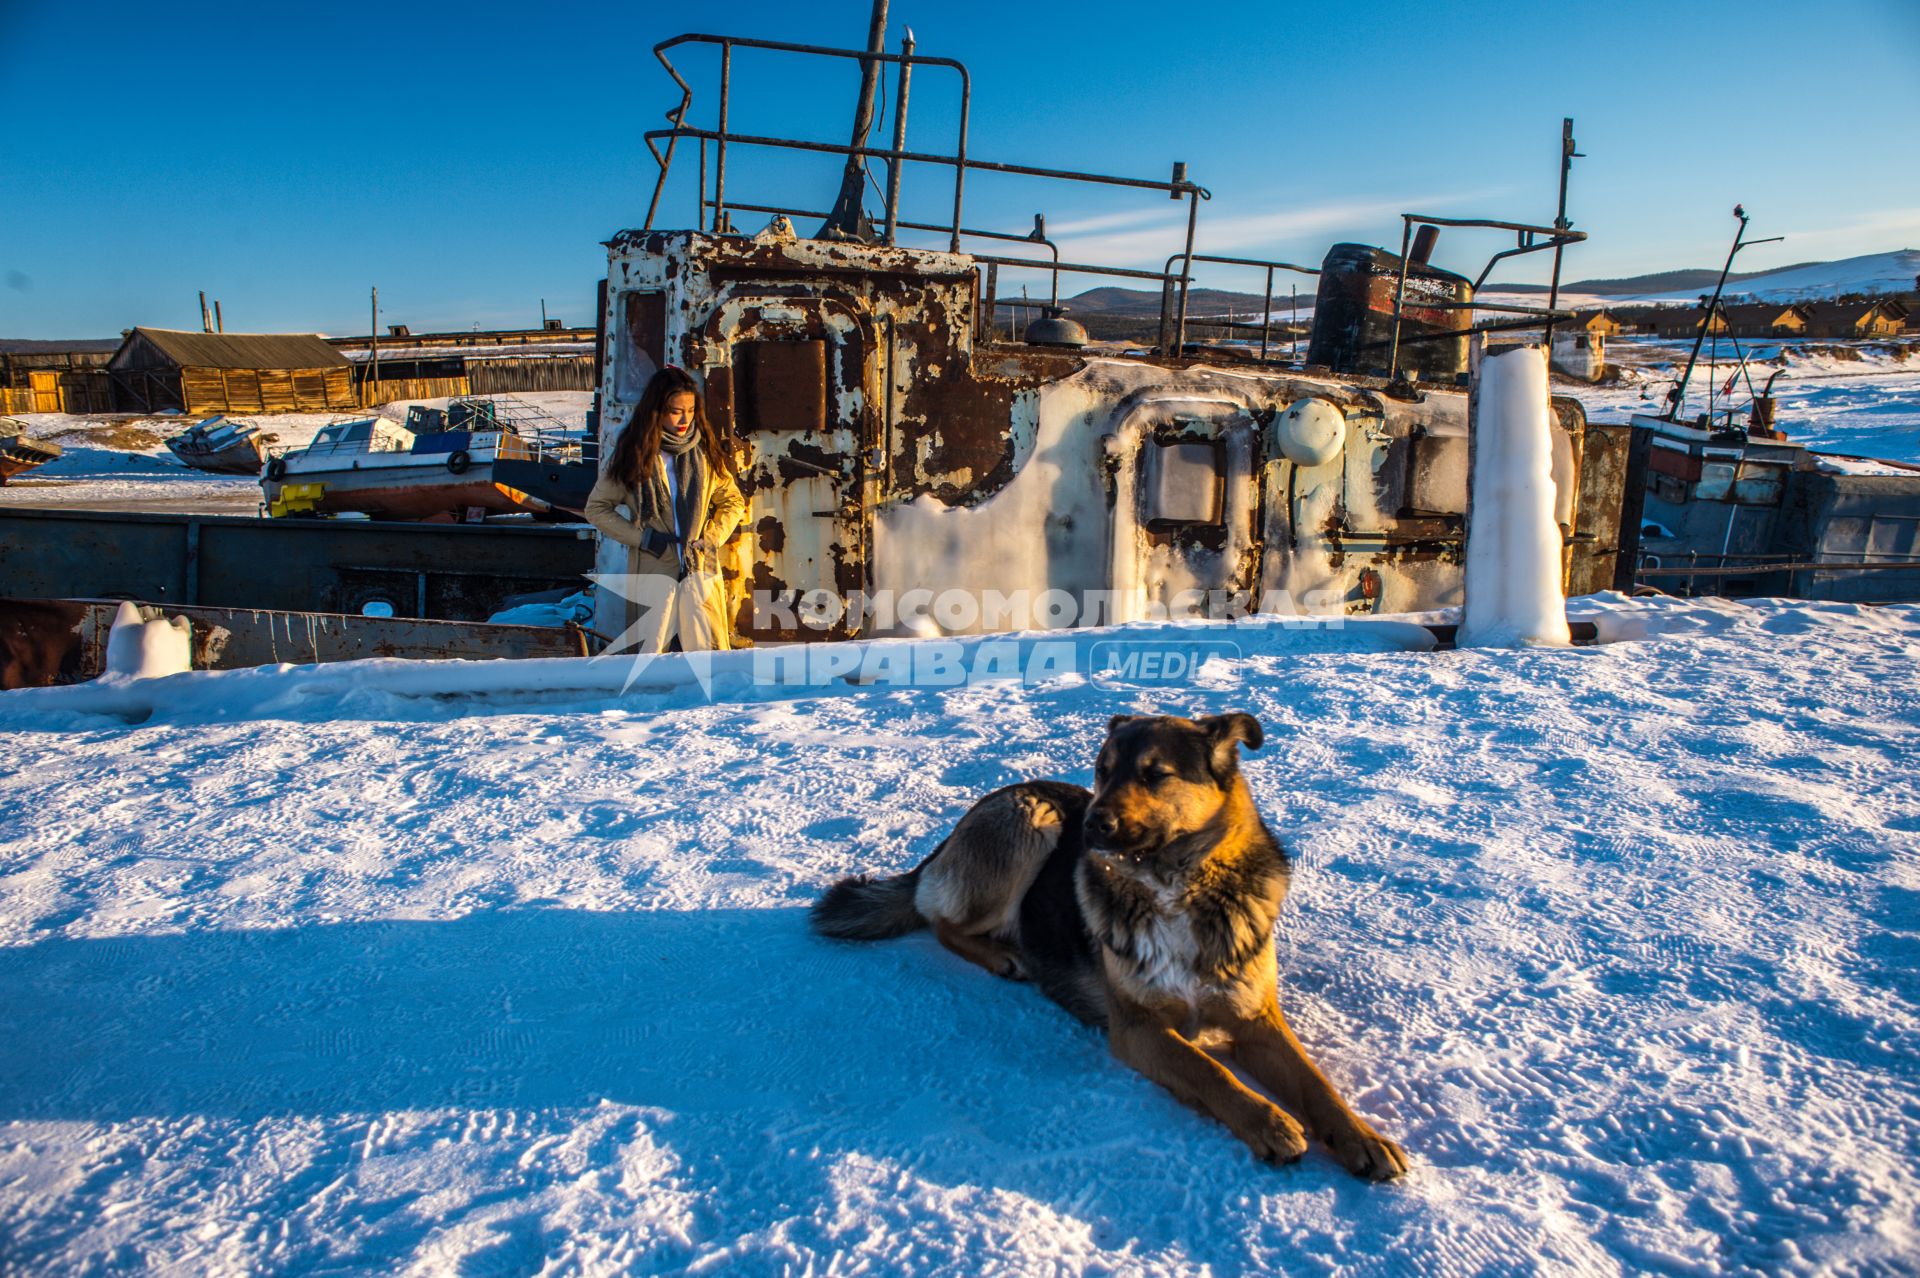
[
  {"x": 1423, "y": 241},
  {"x": 206, "y": 320}
]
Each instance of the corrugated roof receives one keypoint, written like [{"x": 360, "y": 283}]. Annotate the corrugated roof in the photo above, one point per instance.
[
  {"x": 79, "y": 346},
  {"x": 243, "y": 350}
]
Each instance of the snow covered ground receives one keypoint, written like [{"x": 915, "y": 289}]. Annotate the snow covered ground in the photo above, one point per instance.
[
  {"x": 1860, "y": 398},
  {"x": 1892, "y": 272},
  {"x": 1869, "y": 273},
  {"x": 120, "y": 462},
  {"x": 305, "y": 974}
]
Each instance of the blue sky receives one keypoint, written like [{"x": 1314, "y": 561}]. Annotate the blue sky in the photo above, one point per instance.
[{"x": 468, "y": 159}]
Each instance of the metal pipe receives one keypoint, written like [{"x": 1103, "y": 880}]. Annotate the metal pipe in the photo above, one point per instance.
[
  {"x": 899, "y": 134},
  {"x": 1573, "y": 237},
  {"x": 1242, "y": 261},
  {"x": 960, "y": 167},
  {"x": 1081, "y": 268},
  {"x": 677, "y": 116},
  {"x": 1556, "y": 244},
  {"x": 1678, "y": 395},
  {"x": 1039, "y": 236},
  {"x": 1399, "y": 296},
  {"x": 1560, "y": 222},
  {"x": 922, "y": 157},
  {"x": 1164, "y": 338},
  {"x": 849, "y": 220},
  {"x": 1186, "y": 270},
  {"x": 1909, "y": 565},
  {"x": 720, "y": 159},
  {"x": 917, "y": 226},
  {"x": 1266, "y": 314}
]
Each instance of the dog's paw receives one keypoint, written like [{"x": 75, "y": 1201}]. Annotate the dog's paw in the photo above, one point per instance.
[
  {"x": 1368, "y": 1154},
  {"x": 1274, "y": 1137}
]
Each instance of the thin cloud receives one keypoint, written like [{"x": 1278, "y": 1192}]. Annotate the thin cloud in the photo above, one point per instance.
[
  {"x": 1106, "y": 222},
  {"x": 1873, "y": 234},
  {"x": 1150, "y": 245}
]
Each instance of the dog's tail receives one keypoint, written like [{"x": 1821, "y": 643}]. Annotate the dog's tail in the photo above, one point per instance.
[{"x": 867, "y": 909}]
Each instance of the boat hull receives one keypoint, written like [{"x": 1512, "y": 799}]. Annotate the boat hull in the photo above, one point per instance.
[
  {"x": 18, "y": 455},
  {"x": 243, "y": 457},
  {"x": 407, "y": 493}
]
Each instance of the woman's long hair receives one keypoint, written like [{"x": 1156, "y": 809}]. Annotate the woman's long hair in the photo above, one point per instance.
[{"x": 638, "y": 447}]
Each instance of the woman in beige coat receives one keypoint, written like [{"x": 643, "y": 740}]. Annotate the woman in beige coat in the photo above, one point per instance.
[{"x": 675, "y": 480}]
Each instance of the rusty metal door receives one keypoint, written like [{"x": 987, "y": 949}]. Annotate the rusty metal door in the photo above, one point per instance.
[
  {"x": 1198, "y": 504},
  {"x": 799, "y": 398}
]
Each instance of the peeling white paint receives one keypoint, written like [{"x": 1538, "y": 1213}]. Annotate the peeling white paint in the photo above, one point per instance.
[{"x": 1070, "y": 517}]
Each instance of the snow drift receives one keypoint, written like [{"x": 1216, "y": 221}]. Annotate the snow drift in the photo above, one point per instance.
[{"x": 1617, "y": 941}]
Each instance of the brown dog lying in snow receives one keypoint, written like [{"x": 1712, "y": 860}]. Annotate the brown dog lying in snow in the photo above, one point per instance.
[{"x": 1146, "y": 907}]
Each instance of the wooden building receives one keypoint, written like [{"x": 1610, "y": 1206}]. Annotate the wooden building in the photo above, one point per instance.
[
  {"x": 55, "y": 377},
  {"x": 1878, "y": 317},
  {"x": 1600, "y": 323},
  {"x": 196, "y": 373},
  {"x": 1768, "y": 319},
  {"x": 424, "y": 365}
]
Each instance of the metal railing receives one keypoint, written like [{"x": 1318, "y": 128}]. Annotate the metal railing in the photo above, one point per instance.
[
  {"x": 1697, "y": 564},
  {"x": 1266, "y": 313},
  {"x": 712, "y": 213},
  {"x": 1557, "y": 239}
]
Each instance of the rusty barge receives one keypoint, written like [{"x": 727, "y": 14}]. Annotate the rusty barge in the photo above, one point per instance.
[
  {"x": 895, "y": 446},
  {"x": 911, "y": 468}
]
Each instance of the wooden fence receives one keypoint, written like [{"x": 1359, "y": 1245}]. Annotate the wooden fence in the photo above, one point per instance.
[
  {"x": 506, "y": 375},
  {"x": 266, "y": 390},
  {"x": 47, "y": 391},
  {"x": 389, "y": 389}
]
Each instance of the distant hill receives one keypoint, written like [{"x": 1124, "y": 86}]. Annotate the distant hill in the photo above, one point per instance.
[
  {"x": 1642, "y": 285},
  {"x": 1202, "y": 301},
  {"x": 1893, "y": 272}
]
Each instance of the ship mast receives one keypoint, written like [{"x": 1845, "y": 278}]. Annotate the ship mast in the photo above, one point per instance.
[{"x": 1678, "y": 395}]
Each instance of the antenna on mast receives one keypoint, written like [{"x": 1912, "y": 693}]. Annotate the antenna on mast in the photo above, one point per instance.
[{"x": 1678, "y": 395}]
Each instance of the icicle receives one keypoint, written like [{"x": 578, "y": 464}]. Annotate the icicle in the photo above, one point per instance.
[{"x": 1513, "y": 594}]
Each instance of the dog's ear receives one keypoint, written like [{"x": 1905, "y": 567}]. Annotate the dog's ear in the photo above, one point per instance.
[
  {"x": 1224, "y": 732},
  {"x": 1114, "y": 724}
]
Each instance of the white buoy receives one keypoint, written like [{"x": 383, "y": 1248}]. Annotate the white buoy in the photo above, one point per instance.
[
  {"x": 139, "y": 649},
  {"x": 1514, "y": 595}
]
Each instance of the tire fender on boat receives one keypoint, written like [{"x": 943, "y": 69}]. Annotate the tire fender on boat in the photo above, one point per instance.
[
  {"x": 277, "y": 468},
  {"x": 458, "y": 462}
]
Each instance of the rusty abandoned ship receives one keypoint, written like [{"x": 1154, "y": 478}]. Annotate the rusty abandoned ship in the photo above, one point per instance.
[{"x": 896, "y": 442}]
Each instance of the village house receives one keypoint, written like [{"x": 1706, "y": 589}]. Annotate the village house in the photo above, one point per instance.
[
  {"x": 1767, "y": 319},
  {"x": 202, "y": 373},
  {"x": 424, "y": 365},
  {"x": 1870, "y": 317},
  {"x": 55, "y": 377}
]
